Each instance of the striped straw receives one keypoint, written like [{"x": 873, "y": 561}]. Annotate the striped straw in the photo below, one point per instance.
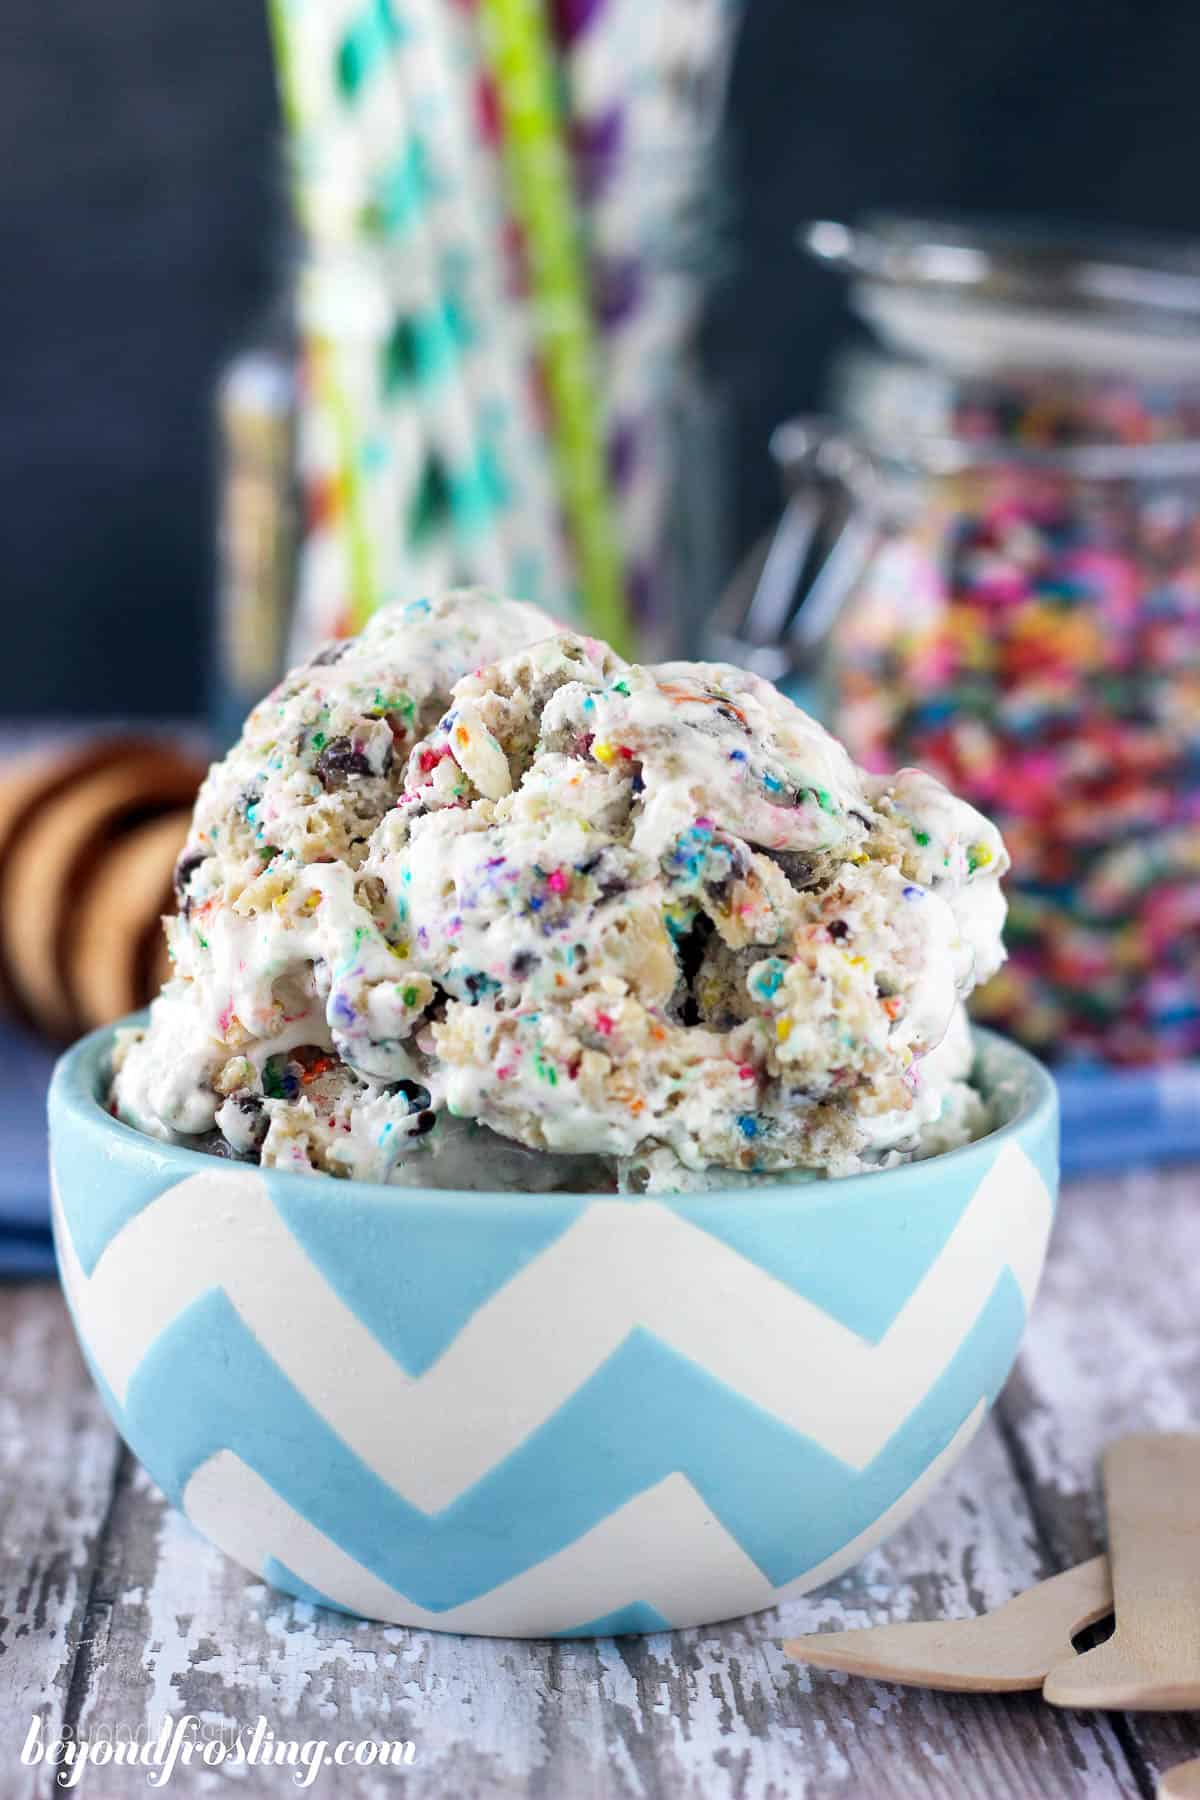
[
  {"x": 440, "y": 57},
  {"x": 412, "y": 436},
  {"x": 397, "y": 541},
  {"x": 539, "y": 174},
  {"x": 324, "y": 604},
  {"x": 377, "y": 445},
  {"x": 645, "y": 84},
  {"x": 421, "y": 359}
]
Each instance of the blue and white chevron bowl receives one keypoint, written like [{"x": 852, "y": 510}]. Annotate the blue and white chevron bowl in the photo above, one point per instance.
[{"x": 546, "y": 1415}]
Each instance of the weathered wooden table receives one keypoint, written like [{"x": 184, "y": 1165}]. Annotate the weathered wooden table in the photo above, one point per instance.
[{"x": 113, "y": 1614}]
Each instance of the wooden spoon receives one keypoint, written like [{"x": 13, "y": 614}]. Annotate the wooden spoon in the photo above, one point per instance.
[
  {"x": 1152, "y": 1660},
  {"x": 1002, "y": 1652},
  {"x": 117, "y": 925},
  {"x": 1182, "y": 1782},
  {"x": 44, "y": 878}
]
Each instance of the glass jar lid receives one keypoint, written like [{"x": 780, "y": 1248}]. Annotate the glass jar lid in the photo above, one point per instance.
[{"x": 980, "y": 296}]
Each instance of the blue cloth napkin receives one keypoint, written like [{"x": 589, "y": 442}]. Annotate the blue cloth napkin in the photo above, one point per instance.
[
  {"x": 24, "y": 1184},
  {"x": 1117, "y": 1118}
]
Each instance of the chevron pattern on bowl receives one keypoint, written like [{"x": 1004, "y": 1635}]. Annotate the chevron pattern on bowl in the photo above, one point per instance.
[{"x": 547, "y": 1415}]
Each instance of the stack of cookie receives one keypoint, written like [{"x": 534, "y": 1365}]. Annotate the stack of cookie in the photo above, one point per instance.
[{"x": 88, "y": 841}]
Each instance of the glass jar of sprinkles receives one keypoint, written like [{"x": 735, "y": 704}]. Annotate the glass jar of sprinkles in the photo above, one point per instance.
[{"x": 1020, "y": 609}]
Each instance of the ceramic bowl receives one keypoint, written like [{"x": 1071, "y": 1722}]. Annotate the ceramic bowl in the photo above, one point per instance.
[{"x": 547, "y": 1415}]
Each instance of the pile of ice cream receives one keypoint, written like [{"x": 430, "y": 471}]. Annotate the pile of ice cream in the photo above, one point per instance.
[{"x": 475, "y": 903}]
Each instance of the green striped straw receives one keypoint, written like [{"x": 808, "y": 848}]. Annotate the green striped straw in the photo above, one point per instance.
[
  {"x": 414, "y": 464},
  {"x": 382, "y": 451},
  {"x": 644, "y": 83},
  {"x": 515, "y": 496},
  {"x": 380, "y": 445},
  {"x": 380, "y": 104},
  {"x": 336, "y": 580},
  {"x": 508, "y": 305},
  {"x": 390, "y": 99},
  {"x": 540, "y": 179},
  {"x": 325, "y": 604}
]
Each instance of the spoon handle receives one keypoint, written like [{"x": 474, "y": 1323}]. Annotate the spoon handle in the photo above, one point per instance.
[
  {"x": 1182, "y": 1782},
  {"x": 1000, "y": 1652},
  {"x": 1152, "y": 1660}
]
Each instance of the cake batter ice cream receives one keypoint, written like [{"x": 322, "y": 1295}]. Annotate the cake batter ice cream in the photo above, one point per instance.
[{"x": 475, "y": 902}]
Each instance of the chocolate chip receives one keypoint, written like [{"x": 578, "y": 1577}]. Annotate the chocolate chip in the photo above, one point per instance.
[
  {"x": 339, "y": 762},
  {"x": 416, "y": 1095},
  {"x": 251, "y": 1109},
  {"x": 838, "y": 929},
  {"x": 329, "y": 653},
  {"x": 690, "y": 949},
  {"x": 802, "y": 869},
  {"x": 425, "y": 1122},
  {"x": 185, "y": 868},
  {"x": 522, "y": 963},
  {"x": 609, "y": 880}
]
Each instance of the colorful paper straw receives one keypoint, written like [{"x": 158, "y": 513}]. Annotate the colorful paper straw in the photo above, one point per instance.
[
  {"x": 540, "y": 180},
  {"x": 379, "y": 445},
  {"x": 519, "y": 508},
  {"x": 644, "y": 81}
]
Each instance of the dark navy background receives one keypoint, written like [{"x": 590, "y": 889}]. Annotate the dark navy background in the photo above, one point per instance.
[{"x": 137, "y": 218}]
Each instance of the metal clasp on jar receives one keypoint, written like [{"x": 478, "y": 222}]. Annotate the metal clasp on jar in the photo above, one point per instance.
[{"x": 783, "y": 600}]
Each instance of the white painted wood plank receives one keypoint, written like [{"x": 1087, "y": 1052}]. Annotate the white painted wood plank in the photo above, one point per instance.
[{"x": 58, "y": 1455}]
